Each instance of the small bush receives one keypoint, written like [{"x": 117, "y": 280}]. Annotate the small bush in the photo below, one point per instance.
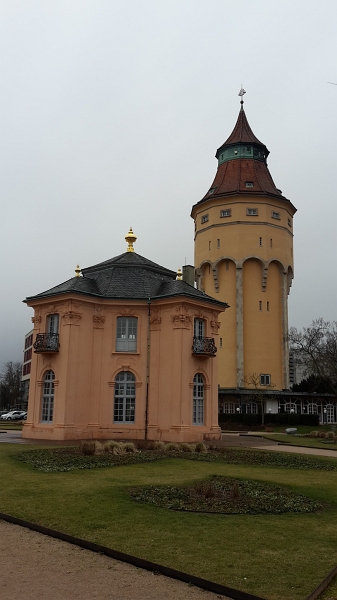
[
  {"x": 159, "y": 446},
  {"x": 330, "y": 435},
  {"x": 314, "y": 434},
  {"x": 172, "y": 447},
  {"x": 200, "y": 447},
  {"x": 87, "y": 448},
  {"x": 322, "y": 434},
  {"x": 109, "y": 446},
  {"x": 99, "y": 448},
  {"x": 187, "y": 447},
  {"x": 129, "y": 447}
]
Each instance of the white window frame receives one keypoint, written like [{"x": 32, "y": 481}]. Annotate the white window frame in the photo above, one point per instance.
[
  {"x": 204, "y": 219},
  {"x": 226, "y": 212},
  {"x": 199, "y": 328},
  {"x": 229, "y": 408},
  {"x": 126, "y": 334},
  {"x": 251, "y": 408},
  {"x": 275, "y": 215},
  {"x": 252, "y": 212},
  {"x": 47, "y": 404},
  {"x": 125, "y": 398},
  {"x": 53, "y": 322},
  {"x": 198, "y": 399}
]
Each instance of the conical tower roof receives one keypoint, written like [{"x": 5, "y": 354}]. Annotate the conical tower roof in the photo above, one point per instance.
[
  {"x": 241, "y": 134},
  {"x": 242, "y": 166}
]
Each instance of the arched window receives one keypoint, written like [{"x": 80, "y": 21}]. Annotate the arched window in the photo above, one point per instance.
[
  {"x": 198, "y": 399},
  {"x": 229, "y": 408},
  {"x": 48, "y": 398},
  {"x": 290, "y": 407},
  {"x": 312, "y": 409},
  {"x": 125, "y": 398}
]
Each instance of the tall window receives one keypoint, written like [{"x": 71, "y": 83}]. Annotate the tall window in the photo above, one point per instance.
[
  {"x": 198, "y": 399},
  {"x": 53, "y": 323},
  {"x": 48, "y": 398},
  {"x": 199, "y": 328},
  {"x": 126, "y": 334},
  {"x": 125, "y": 398}
]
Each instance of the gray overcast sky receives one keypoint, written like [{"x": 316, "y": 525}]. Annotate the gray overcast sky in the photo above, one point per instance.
[{"x": 111, "y": 113}]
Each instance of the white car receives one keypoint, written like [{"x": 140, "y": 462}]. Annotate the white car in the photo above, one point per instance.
[{"x": 13, "y": 415}]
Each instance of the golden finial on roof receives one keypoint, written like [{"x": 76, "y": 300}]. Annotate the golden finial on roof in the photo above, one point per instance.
[
  {"x": 179, "y": 275},
  {"x": 77, "y": 271},
  {"x": 130, "y": 238}
]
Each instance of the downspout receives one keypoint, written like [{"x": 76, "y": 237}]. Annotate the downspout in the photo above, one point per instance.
[{"x": 147, "y": 368}]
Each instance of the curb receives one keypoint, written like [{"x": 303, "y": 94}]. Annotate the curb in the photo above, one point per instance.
[
  {"x": 204, "y": 584},
  {"x": 323, "y": 585}
]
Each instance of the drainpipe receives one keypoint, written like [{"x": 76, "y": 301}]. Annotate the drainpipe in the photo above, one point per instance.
[{"x": 147, "y": 368}]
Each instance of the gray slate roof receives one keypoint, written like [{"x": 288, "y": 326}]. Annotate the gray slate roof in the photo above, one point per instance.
[{"x": 128, "y": 276}]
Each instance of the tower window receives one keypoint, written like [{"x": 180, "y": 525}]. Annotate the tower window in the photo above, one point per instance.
[
  {"x": 271, "y": 242},
  {"x": 260, "y": 305},
  {"x": 225, "y": 213},
  {"x": 220, "y": 342},
  {"x": 265, "y": 379},
  {"x": 289, "y": 223},
  {"x": 249, "y": 184},
  {"x": 204, "y": 218},
  {"x": 260, "y": 241},
  {"x": 268, "y": 306},
  {"x": 218, "y": 243},
  {"x": 209, "y": 245},
  {"x": 275, "y": 215},
  {"x": 252, "y": 212}
]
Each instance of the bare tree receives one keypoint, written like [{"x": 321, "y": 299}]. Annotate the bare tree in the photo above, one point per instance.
[
  {"x": 253, "y": 382},
  {"x": 10, "y": 382},
  {"x": 316, "y": 346}
]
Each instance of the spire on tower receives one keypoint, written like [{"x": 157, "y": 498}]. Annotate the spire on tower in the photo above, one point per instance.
[{"x": 241, "y": 93}]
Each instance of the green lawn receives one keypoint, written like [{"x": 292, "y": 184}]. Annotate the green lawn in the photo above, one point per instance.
[
  {"x": 299, "y": 441},
  {"x": 277, "y": 557}
]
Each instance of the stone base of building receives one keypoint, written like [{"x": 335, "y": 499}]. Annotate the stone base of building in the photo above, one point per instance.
[{"x": 96, "y": 432}]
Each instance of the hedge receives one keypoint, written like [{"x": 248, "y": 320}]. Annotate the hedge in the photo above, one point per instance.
[{"x": 270, "y": 419}]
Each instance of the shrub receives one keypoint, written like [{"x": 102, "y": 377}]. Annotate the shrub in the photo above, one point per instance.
[
  {"x": 172, "y": 447},
  {"x": 109, "y": 446},
  {"x": 330, "y": 435},
  {"x": 200, "y": 447},
  {"x": 159, "y": 445},
  {"x": 313, "y": 434},
  {"x": 187, "y": 447},
  {"x": 129, "y": 447},
  {"x": 87, "y": 448},
  {"x": 322, "y": 434},
  {"x": 99, "y": 448}
]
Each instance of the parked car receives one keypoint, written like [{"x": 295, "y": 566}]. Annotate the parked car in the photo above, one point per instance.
[{"x": 14, "y": 415}]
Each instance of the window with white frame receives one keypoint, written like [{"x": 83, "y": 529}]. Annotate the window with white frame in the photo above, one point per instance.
[
  {"x": 199, "y": 328},
  {"x": 252, "y": 212},
  {"x": 53, "y": 323},
  {"x": 275, "y": 214},
  {"x": 198, "y": 399},
  {"x": 251, "y": 408},
  {"x": 225, "y": 213},
  {"x": 265, "y": 379},
  {"x": 204, "y": 218},
  {"x": 47, "y": 411},
  {"x": 229, "y": 408},
  {"x": 290, "y": 407},
  {"x": 312, "y": 409},
  {"x": 126, "y": 340},
  {"x": 125, "y": 398}
]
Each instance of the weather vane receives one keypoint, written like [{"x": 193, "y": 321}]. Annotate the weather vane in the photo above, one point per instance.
[{"x": 241, "y": 93}]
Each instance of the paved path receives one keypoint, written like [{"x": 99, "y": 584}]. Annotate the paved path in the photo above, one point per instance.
[
  {"x": 36, "y": 567},
  {"x": 299, "y": 450}
]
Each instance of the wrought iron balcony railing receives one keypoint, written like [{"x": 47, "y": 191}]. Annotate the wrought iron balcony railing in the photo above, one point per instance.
[
  {"x": 204, "y": 346},
  {"x": 46, "y": 342}
]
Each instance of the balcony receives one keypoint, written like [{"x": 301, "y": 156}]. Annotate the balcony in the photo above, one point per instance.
[
  {"x": 46, "y": 342},
  {"x": 203, "y": 346}
]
